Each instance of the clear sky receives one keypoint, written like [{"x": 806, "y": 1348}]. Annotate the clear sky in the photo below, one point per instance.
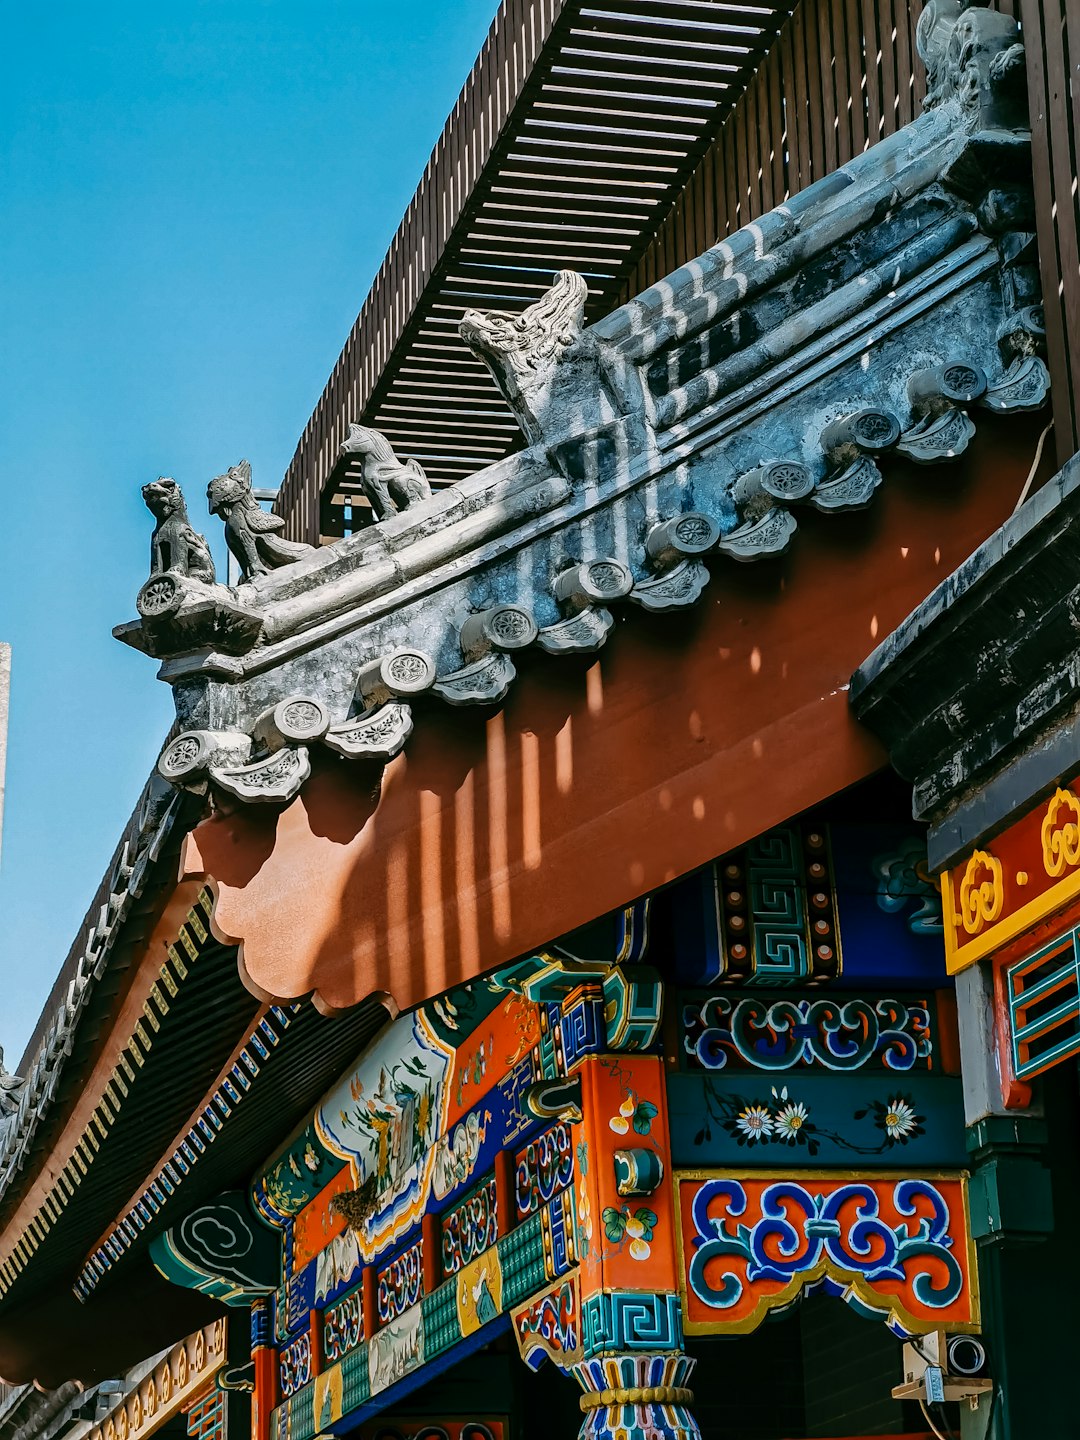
[{"x": 194, "y": 198}]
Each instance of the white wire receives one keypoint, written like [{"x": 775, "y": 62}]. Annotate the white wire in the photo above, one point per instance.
[
  {"x": 1034, "y": 466},
  {"x": 929, "y": 1419}
]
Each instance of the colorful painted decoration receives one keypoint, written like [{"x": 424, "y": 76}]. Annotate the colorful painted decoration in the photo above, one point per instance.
[
  {"x": 897, "y": 1248},
  {"x": 396, "y": 1350},
  {"x": 834, "y": 1032},
  {"x": 803, "y": 904},
  {"x": 631, "y": 1397},
  {"x": 294, "y": 1365},
  {"x": 457, "y": 1153},
  {"x": 614, "y": 1321},
  {"x": 1023, "y": 876},
  {"x": 555, "y": 1099},
  {"x": 624, "y": 1242},
  {"x": 479, "y": 1292},
  {"x": 1042, "y": 1000},
  {"x": 548, "y": 1327},
  {"x": 337, "y": 1266},
  {"x": 633, "y": 1007},
  {"x": 470, "y": 1228},
  {"x": 222, "y": 1249},
  {"x": 637, "y": 1171},
  {"x": 808, "y": 1119},
  {"x": 399, "y": 1284},
  {"x": 543, "y": 1168},
  {"x": 343, "y": 1326}
]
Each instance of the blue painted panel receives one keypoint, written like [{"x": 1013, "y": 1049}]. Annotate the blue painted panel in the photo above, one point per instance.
[
  {"x": 816, "y": 1119},
  {"x": 890, "y": 912}
]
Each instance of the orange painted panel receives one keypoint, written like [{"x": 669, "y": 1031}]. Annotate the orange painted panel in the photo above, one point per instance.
[
  {"x": 630, "y": 1242},
  {"x": 892, "y": 1244},
  {"x": 508, "y": 1034},
  {"x": 599, "y": 779},
  {"x": 316, "y": 1224}
]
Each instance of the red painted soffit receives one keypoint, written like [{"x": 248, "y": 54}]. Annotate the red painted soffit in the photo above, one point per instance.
[{"x": 601, "y": 779}]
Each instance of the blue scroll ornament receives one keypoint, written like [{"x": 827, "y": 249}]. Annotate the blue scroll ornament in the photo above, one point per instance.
[
  {"x": 839, "y": 1035},
  {"x": 797, "y": 1229}
]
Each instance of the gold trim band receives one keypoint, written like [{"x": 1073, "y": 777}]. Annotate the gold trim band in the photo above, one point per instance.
[{"x": 638, "y": 1395}]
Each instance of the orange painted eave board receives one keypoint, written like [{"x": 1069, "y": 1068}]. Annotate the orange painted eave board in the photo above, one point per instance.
[{"x": 602, "y": 777}]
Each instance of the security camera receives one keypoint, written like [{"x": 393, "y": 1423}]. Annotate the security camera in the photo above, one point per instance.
[{"x": 940, "y": 1367}]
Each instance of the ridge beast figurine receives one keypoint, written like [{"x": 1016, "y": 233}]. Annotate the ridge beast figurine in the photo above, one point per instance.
[
  {"x": 251, "y": 534},
  {"x": 174, "y": 545},
  {"x": 389, "y": 483}
]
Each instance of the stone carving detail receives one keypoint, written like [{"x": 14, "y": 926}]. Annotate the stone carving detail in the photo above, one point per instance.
[
  {"x": 682, "y": 536},
  {"x": 489, "y": 673},
  {"x": 389, "y": 483},
  {"x": 375, "y": 735},
  {"x": 674, "y": 589},
  {"x": 274, "y": 780},
  {"x": 943, "y": 387},
  {"x": 936, "y": 439},
  {"x": 942, "y": 430},
  {"x": 1024, "y": 386},
  {"x": 863, "y": 432},
  {"x": 596, "y": 583},
  {"x": 849, "y": 442},
  {"x": 295, "y": 720},
  {"x": 526, "y": 352},
  {"x": 161, "y": 595},
  {"x": 251, "y": 534},
  {"x": 585, "y": 631},
  {"x": 402, "y": 672},
  {"x": 582, "y": 591},
  {"x": 973, "y": 55},
  {"x": 766, "y": 528},
  {"x": 484, "y": 682},
  {"x": 771, "y": 535},
  {"x": 12, "y": 1088},
  {"x": 851, "y": 489},
  {"x": 174, "y": 546},
  {"x": 503, "y": 627},
  {"x": 760, "y": 490},
  {"x": 187, "y": 759}
]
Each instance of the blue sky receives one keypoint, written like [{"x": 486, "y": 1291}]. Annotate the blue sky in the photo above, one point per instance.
[{"x": 196, "y": 197}]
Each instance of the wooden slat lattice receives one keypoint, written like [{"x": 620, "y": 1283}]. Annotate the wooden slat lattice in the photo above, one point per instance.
[
  {"x": 578, "y": 127},
  {"x": 621, "y": 138},
  {"x": 1051, "y": 34},
  {"x": 842, "y": 75}
]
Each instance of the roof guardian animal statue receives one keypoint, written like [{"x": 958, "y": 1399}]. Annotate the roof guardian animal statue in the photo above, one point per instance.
[
  {"x": 174, "y": 545},
  {"x": 389, "y": 483},
  {"x": 11, "y": 1093},
  {"x": 251, "y": 534}
]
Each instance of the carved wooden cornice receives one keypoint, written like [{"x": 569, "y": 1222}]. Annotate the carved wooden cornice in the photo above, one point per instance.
[
  {"x": 977, "y": 694},
  {"x": 179, "y": 1378}
]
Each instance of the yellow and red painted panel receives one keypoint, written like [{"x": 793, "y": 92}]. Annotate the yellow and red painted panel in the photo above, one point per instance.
[
  {"x": 895, "y": 1245},
  {"x": 1010, "y": 884}
]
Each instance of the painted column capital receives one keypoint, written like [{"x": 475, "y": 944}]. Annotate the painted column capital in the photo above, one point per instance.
[{"x": 637, "y": 1397}]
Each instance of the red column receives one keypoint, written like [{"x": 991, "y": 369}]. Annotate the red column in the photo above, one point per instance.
[{"x": 264, "y": 1355}]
